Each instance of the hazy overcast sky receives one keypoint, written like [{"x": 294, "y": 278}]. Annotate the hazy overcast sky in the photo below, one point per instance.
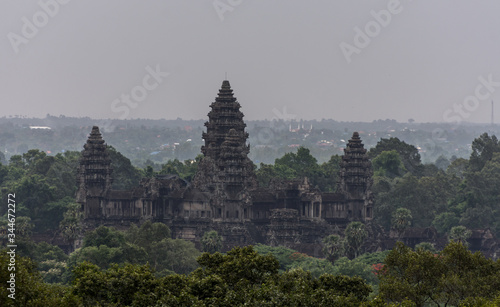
[{"x": 284, "y": 58}]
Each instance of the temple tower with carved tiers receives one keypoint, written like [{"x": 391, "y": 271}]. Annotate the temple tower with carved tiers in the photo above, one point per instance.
[
  {"x": 225, "y": 165},
  {"x": 94, "y": 174},
  {"x": 225, "y": 171},
  {"x": 356, "y": 180}
]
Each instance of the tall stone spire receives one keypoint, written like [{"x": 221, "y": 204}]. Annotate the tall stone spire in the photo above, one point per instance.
[
  {"x": 356, "y": 178},
  {"x": 94, "y": 173},
  {"x": 224, "y": 116},
  {"x": 225, "y": 163}
]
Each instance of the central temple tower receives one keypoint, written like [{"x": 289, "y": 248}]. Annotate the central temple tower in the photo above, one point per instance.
[{"x": 225, "y": 168}]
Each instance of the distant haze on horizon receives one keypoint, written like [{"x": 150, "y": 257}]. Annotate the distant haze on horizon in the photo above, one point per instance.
[{"x": 432, "y": 61}]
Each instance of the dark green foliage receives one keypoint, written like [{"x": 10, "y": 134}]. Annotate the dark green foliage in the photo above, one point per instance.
[
  {"x": 449, "y": 278},
  {"x": 30, "y": 289},
  {"x": 315, "y": 266},
  {"x": 302, "y": 162},
  {"x": 71, "y": 225},
  {"x": 211, "y": 242},
  {"x": 185, "y": 170},
  {"x": 483, "y": 149},
  {"x": 44, "y": 186},
  {"x": 442, "y": 163},
  {"x": 458, "y": 168},
  {"x": 454, "y": 277},
  {"x": 299, "y": 165},
  {"x": 465, "y": 194},
  {"x": 372, "y": 258},
  {"x": 329, "y": 174},
  {"x": 103, "y": 256},
  {"x": 362, "y": 266},
  {"x": 401, "y": 220},
  {"x": 50, "y": 261},
  {"x": 23, "y": 232},
  {"x": 240, "y": 265},
  {"x": 151, "y": 243},
  {"x": 346, "y": 286},
  {"x": 408, "y": 153},
  {"x": 103, "y": 235},
  {"x": 445, "y": 221},
  {"x": 35, "y": 193},
  {"x": 147, "y": 234},
  {"x": 117, "y": 285},
  {"x": 45, "y": 251},
  {"x": 481, "y": 196},
  {"x": 388, "y": 164},
  {"x": 173, "y": 255},
  {"x": 355, "y": 235},
  {"x": 429, "y": 170},
  {"x": 125, "y": 175},
  {"x": 355, "y": 268},
  {"x": 459, "y": 234},
  {"x": 333, "y": 247},
  {"x": 104, "y": 246},
  {"x": 148, "y": 171},
  {"x": 410, "y": 275},
  {"x": 267, "y": 172},
  {"x": 242, "y": 277},
  {"x": 427, "y": 246},
  {"x": 53, "y": 214},
  {"x": 425, "y": 197},
  {"x": 2, "y": 158},
  {"x": 282, "y": 254},
  {"x": 62, "y": 173},
  {"x": 4, "y": 172}
]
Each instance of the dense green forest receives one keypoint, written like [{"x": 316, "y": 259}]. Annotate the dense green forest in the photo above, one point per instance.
[
  {"x": 144, "y": 265},
  {"x": 246, "y": 277}
]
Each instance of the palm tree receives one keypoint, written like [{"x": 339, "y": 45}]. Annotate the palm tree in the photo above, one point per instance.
[
  {"x": 460, "y": 234},
  {"x": 71, "y": 225},
  {"x": 333, "y": 247},
  {"x": 355, "y": 235},
  {"x": 401, "y": 219},
  {"x": 211, "y": 242}
]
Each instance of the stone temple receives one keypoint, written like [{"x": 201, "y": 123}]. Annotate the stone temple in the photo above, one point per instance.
[{"x": 224, "y": 194}]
